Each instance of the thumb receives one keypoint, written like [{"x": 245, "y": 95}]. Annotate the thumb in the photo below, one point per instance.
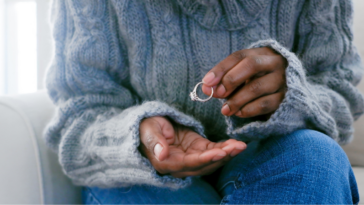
[
  {"x": 152, "y": 137},
  {"x": 160, "y": 147}
]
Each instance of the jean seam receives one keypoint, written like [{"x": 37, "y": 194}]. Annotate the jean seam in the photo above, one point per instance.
[
  {"x": 223, "y": 186},
  {"x": 90, "y": 192}
]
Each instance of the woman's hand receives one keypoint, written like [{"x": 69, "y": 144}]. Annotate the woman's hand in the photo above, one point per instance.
[
  {"x": 252, "y": 80},
  {"x": 181, "y": 152}
]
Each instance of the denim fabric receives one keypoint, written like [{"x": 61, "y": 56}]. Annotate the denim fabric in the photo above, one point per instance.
[
  {"x": 303, "y": 167},
  {"x": 200, "y": 192}
]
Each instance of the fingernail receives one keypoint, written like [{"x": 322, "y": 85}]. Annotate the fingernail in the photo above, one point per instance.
[
  {"x": 157, "y": 150},
  {"x": 239, "y": 113},
  {"x": 221, "y": 90},
  {"x": 209, "y": 78},
  {"x": 218, "y": 157},
  {"x": 225, "y": 109},
  {"x": 233, "y": 154},
  {"x": 240, "y": 147},
  {"x": 208, "y": 90}
]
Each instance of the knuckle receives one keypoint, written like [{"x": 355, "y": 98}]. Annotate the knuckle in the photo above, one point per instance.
[
  {"x": 265, "y": 106},
  {"x": 255, "y": 86},
  {"x": 258, "y": 60},
  {"x": 149, "y": 142},
  {"x": 240, "y": 55},
  {"x": 250, "y": 62},
  {"x": 222, "y": 68},
  {"x": 230, "y": 80},
  {"x": 233, "y": 105},
  {"x": 246, "y": 111}
]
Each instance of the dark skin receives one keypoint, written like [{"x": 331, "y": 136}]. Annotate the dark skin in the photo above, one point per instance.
[
  {"x": 184, "y": 152},
  {"x": 252, "y": 81}
]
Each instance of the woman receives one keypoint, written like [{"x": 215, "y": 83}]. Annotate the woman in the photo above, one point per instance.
[{"x": 283, "y": 75}]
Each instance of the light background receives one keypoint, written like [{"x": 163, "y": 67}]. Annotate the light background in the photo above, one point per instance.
[{"x": 25, "y": 45}]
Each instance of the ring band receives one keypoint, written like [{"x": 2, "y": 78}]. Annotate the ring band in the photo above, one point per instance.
[{"x": 194, "y": 97}]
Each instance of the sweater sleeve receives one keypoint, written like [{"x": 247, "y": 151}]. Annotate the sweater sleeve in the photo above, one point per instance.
[
  {"x": 321, "y": 77},
  {"x": 95, "y": 130}
]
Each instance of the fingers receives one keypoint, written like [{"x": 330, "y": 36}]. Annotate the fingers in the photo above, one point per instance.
[
  {"x": 231, "y": 146},
  {"x": 181, "y": 162},
  {"x": 203, "y": 171},
  {"x": 185, "y": 151},
  {"x": 167, "y": 128},
  {"x": 154, "y": 133},
  {"x": 245, "y": 70},
  {"x": 197, "y": 160},
  {"x": 254, "y": 89},
  {"x": 264, "y": 105},
  {"x": 214, "y": 76},
  {"x": 249, "y": 67},
  {"x": 200, "y": 159},
  {"x": 191, "y": 162}
]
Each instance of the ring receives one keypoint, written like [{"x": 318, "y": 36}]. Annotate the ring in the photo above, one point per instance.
[{"x": 194, "y": 97}]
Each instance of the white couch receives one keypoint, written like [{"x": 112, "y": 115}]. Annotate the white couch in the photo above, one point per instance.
[{"x": 30, "y": 172}]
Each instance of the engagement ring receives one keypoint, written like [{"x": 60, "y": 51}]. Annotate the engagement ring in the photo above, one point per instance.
[{"x": 194, "y": 97}]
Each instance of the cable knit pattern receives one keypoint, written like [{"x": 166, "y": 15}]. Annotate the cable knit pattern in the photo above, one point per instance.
[
  {"x": 118, "y": 62},
  {"x": 228, "y": 14}
]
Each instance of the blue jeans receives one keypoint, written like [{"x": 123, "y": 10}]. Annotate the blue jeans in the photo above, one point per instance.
[{"x": 305, "y": 167}]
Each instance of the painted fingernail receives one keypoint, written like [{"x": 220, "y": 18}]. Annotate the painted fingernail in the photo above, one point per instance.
[
  {"x": 225, "y": 109},
  {"x": 157, "y": 150},
  {"x": 209, "y": 78},
  {"x": 221, "y": 90},
  {"x": 218, "y": 157}
]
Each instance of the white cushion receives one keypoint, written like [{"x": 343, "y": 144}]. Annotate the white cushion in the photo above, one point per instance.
[{"x": 30, "y": 173}]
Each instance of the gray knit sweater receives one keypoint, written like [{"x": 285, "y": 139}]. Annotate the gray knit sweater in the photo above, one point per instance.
[{"x": 119, "y": 61}]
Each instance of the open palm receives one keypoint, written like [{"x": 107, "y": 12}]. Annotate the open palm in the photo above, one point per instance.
[{"x": 180, "y": 151}]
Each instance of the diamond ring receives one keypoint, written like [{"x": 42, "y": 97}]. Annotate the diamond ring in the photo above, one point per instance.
[{"x": 194, "y": 97}]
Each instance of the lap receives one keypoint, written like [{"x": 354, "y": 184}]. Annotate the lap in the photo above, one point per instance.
[
  {"x": 200, "y": 192},
  {"x": 303, "y": 167}
]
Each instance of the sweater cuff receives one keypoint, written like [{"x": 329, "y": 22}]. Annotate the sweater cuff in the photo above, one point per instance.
[
  {"x": 122, "y": 164},
  {"x": 152, "y": 109},
  {"x": 298, "y": 109}
]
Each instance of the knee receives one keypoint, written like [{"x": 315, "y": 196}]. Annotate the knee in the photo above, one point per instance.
[{"x": 313, "y": 147}]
